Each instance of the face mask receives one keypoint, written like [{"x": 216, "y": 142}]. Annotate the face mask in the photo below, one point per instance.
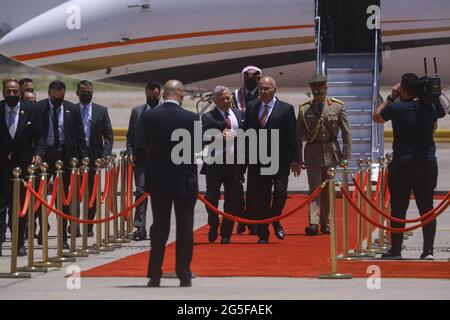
[
  {"x": 250, "y": 84},
  {"x": 152, "y": 102},
  {"x": 85, "y": 98},
  {"x": 318, "y": 93},
  {"x": 12, "y": 101},
  {"x": 57, "y": 102}
]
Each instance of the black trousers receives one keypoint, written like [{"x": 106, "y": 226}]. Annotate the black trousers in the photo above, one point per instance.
[
  {"x": 140, "y": 215},
  {"x": 262, "y": 202},
  {"x": 421, "y": 179},
  {"x": 233, "y": 193},
  {"x": 184, "y": 214}
]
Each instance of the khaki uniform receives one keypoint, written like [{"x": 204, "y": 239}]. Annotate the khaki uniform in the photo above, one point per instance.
[{"x": 318, "y": 126}]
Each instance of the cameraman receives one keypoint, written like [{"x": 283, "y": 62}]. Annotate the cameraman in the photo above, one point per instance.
[{"x": 414, "y": 164}]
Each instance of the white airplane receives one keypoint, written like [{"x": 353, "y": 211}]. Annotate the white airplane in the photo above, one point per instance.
[{"x": 206, "y": 42}]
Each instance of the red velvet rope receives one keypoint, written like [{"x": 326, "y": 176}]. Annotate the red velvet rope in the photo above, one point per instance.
[
  {"x": 41, "y": 188},
  {"x": 94, "y": 191},
  {"x": 355, "y": 193},
  {"x": 66, "y": 201},
  {"x": 421, "y": 218},
  {"x": 23, "y": 211},
  {"x": 74, "y": 219},
  {"x": 248, "y": 221},
  {"x": 395, "y": 230},
  {"x": 106, "y": 188},
  {"x": 387, "y": 195},
  {"x": 83, "y": 186},
  {"x": 378, "y": 189},
  {"x": 129, "y": 187}
]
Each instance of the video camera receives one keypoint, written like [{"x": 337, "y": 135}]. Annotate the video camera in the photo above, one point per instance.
[{"x": 429, "y": 88}]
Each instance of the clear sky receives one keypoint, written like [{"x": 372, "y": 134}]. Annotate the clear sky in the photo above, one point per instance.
[{"x": 16, "y": 12}]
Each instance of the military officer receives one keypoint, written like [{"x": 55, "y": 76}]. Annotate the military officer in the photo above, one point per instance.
[{"x": 318, "y": 124}]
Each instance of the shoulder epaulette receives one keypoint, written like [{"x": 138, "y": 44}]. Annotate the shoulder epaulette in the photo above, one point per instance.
[
  {"x": 337, "y": 101},
  {"x": 304, "y": 104}
]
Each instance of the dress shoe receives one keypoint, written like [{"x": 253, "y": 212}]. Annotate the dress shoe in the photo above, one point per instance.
[
  {"x": 262, "y": 241},
  {"x": 391, "y": 256},
  {"x": 186, "y": 283},
  {"x": 325, "y": 229},
  {"x": 212, "y": 234},
  {"x": 154, "y": 283},
  {"x": 279, "y": 232},
  {"x": 139, "y": 235},
  {"x": 22, "y": 252},
  {"x": 241, "y": 228},
  {"x": 225, "y": 241},
  {"x": 66, "y": 246},
  {"x": 312, "y": 230}
]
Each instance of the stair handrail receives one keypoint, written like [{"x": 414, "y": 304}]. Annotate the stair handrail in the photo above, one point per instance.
[
  {"x": 375, "y": 92},
  {"x": 318, "y": 45}
]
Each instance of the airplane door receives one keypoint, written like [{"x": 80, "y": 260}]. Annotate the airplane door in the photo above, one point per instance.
[{"x": 344, "y": 26}]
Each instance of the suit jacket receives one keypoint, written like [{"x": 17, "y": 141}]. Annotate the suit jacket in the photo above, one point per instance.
[
  {"x": 28, "y": 141},
  {"x": 214, "y": 120},
  {"x": 281, "y": 118},
  {"x": 75, "y": 138},
  {"x": 162, "y": 176},
  {"x": 132, "y": 134},
  {"x": 102, "y": 136}
]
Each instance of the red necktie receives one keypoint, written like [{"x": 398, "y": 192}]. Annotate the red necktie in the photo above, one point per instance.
[
  {"x": 263, "y": 118},
  {"x": 227, "y": 120}
]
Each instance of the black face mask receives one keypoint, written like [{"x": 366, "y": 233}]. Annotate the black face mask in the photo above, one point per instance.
[
  {"x": 57, "y": 102},
  {"x": 152, "y": 102},
  {"x": 250, "y": 84},
  {"x": 85, "y": 98},
  {"x": 12, "y": 101},
  {"x": 318, "y": 93}
]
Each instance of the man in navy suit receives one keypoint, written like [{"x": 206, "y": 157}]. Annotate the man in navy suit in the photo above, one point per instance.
[
  {"x": 99, "y": 135},
  {"x": 271, "y": 114},
  {"x": 22, "y": 143},
  {"x": 169, "y": 183},
  {"x": 228, "y": 172}
]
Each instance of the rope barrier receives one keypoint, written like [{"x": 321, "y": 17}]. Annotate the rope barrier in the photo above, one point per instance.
[
  {"x": 23, "y": 211},
  {"x": 68, "y": 200},
  {"x": 74, "y": 219},
  {"x": 94, "y": 191},
  {"x": 387, "y": 195},
  {"x": 106, "y": 187},
  {"x": 355, "y": 194},
  {"x": 378, "y": 189},
  {"x": 40, "y": 189},
  {"x": 129, "y": 187},
  {"x": 235, "y": 218},
  {"x": 83, "y": 186},
  {"x": 394, "y": 230},
  {"x": 421, "y": 218}
]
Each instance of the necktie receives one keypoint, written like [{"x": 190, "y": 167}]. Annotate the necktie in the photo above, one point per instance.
[
  {"x": 57, "y": 139},
  {"x": 11, "y": 123},
  {"x": 227, "y": 120},
  {"x": 263, "y": 118}
]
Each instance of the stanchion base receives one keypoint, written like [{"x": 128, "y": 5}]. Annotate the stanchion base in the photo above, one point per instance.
[
  {"x": 90, "y": 251},
  {"x": 75, "y": 254},
  {"x": 348, "y": 258},
  {"x": 62, "y": 259},
  {"x": 113, "y": 245},
  {"x": 362, "y": 255},
  {"x": 405, "y": 237},
  {"x": 32, "y": 269},
  {"x": 48, "y": 264},
  {"x": 370, "y": 252},
  {"x": 16, "y": 275},
  {"x": 335, "y": 276},
  {"x": 102, "y": 248},
  {"x": 120, "y": 240}
]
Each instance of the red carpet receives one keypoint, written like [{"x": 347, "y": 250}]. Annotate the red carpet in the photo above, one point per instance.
[{"x": 296, "y": 256}]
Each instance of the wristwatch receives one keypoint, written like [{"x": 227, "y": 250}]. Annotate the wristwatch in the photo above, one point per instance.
[{"x": 389, "y": 99}]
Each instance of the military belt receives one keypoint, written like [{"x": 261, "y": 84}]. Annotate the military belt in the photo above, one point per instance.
[{"x": 321, "y": 141}]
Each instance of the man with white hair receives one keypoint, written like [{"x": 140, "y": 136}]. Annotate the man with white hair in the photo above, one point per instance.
[{"x": 227, "y": 172}]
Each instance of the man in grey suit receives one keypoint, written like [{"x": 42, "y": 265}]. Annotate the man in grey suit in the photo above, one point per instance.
[{"x": 137, "y": 155}]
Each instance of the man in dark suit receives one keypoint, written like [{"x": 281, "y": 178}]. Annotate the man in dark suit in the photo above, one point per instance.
[
  {"x": 65, "y": 138},
  {"x": 228, "y": 172},
  {"x": 271, "y": 114},
  {"x": 170, "y": 181},
  {"x": 22, "y": 142},
  {"x": 137, "y": 156},
  {"x": 99, "y": 134}
]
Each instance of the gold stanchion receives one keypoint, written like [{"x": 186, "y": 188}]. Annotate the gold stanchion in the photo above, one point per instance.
[
  {"x": 98, "y": 214},
  {"x": 130, "y": 224},
  {"x": 74, "y": 208},
  {"x": 30, "y": 267},
  {"x": 345, "y": 228},
  {"x": 116, "y": 240},
  {"x": 333, "y": 236},
  {"x": 108, "y": 206},
  {"x": 84, "y": 212},
  {"x": 15, "y": 229},
  {"x": 44, "y": 225},
  {"x": 59, "y": 220},
  {"x": 381, "y": 243},
  {"x": 369, "y": 192},
  {"x": 123, "y": 200}
]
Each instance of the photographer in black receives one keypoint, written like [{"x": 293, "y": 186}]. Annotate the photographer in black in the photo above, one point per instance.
[{"x": 414, "y": 165}]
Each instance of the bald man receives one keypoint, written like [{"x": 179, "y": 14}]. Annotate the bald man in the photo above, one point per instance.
[
  {"x": 271, "y": 114},
  {"x": 169, "y": 184}
]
